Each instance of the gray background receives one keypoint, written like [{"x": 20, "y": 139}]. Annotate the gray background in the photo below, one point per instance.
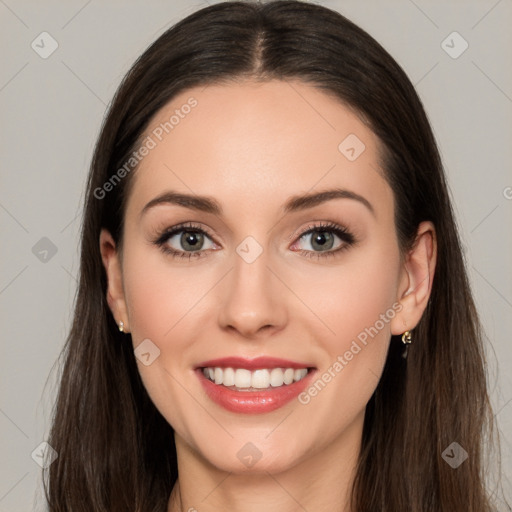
[{"x": 51, "y": 111}]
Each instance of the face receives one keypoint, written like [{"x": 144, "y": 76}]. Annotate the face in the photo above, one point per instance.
[{"x": 297, "y": 296}]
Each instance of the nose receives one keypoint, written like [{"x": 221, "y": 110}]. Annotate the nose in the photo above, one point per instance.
[{"x": 253, "y": 299}]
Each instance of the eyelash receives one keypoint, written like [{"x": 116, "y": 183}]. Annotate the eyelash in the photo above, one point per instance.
[{"x": 329, "y": 227}]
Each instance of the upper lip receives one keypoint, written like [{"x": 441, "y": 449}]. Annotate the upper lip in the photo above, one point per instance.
[{"x": 252, "y": 364}]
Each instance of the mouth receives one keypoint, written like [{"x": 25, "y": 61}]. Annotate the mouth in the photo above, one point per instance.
[{"x": 253, "y": 386}]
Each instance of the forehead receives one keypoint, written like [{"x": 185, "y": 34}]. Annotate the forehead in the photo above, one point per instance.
[{"x": 254, "y": 143}]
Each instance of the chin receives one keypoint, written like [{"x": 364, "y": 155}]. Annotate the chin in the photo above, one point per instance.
[{"x": 254, "y": 453}]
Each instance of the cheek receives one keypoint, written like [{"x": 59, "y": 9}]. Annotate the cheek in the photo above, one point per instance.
[
  {"x": 159, "y": 293},
  {"x": 362, "y": 296},
  {"x": 353, "y": 296}
]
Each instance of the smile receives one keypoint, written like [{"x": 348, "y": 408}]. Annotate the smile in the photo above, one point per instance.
[{"x": 253, "y": 386}]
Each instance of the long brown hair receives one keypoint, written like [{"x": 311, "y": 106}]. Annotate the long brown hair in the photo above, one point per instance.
[{"x": 116, "y": 452}]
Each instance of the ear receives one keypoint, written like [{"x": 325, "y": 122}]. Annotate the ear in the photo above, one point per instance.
[
  {"x": 416, "y": 279},
  {"x": 115, "y": 292}
]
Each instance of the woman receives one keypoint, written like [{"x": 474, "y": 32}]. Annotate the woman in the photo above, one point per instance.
[{"x": 273, "y": 311}]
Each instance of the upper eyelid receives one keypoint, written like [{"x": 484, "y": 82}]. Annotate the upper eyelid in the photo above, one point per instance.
[
  {"x": 327, "y": 225},
  {"x": 186, "y": 227}
]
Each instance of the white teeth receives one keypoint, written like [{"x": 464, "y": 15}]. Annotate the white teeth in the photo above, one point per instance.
[
  {"x": 259, "y": 379},
  {"x": 299, "y": 374},
  {"x": 288, "y": 375},
  {"x": 228, "y": 378},
  {"x": 276, "y": 377},
  {"x": 242, "y": 378}
]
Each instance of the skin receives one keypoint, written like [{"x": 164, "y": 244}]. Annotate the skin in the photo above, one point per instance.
[{"x": 251, "y": 146}]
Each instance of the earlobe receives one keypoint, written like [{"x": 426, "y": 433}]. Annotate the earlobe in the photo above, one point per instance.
[
  {"x": 115, "y": 293},
  {"x": 417, "y": 278}
]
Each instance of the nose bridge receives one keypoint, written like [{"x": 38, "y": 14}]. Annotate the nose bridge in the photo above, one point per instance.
[{"x": 250, "y": 300}]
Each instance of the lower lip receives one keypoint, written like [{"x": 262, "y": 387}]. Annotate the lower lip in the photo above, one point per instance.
[{"x": 253, "y": 402}]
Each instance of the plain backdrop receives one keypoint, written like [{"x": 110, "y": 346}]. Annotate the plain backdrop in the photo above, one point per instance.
[{"x": 51, "y": 110}]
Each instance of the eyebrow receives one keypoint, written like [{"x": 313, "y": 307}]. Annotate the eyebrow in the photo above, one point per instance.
[
  {"x": 294, "y": 204},
  {"x": 302, "y": 202}
]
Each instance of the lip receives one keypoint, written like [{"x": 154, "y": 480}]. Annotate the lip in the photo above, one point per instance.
[{"x": 253, "y": 402}]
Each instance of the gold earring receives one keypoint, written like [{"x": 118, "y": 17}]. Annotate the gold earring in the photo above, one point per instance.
[
  {"x": 406, "y": 337},
  {"x": 406, "y": 340},
  {"x": 121, "y": 326}
]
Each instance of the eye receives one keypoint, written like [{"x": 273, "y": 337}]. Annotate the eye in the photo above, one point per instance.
[
  {"x": 322, "y": 240},
  {"x": 189, "y": 240},
  {"x": 185, "y": 241}
]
